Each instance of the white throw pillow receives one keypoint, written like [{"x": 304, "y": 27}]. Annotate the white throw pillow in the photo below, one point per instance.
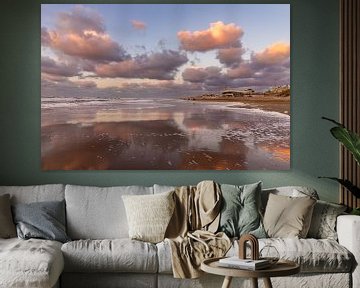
[{"x": 149, "y": 215}]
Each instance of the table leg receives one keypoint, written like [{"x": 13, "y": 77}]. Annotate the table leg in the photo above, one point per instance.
[
  {"x": 227, "y": 282},
  {"x": 254, "y": 282},
  {"x": 267, "y": 283}
]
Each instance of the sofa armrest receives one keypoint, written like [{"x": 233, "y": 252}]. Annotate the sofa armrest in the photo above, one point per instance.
[{"x": 348, "y": 230}]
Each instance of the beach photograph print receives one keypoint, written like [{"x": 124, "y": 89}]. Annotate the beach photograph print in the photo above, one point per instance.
[{"x": 165, "y": 87}]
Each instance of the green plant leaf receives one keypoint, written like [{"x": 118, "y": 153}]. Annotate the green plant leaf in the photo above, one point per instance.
[
  {"x": 333, "y": 121},
  {"x": 355, "y": 211},
  {"x": 347, "y": 184},
  {"x": 349, "y": 139}
]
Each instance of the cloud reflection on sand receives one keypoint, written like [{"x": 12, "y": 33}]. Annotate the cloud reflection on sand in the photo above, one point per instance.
[{"x": 161, "y": 134}]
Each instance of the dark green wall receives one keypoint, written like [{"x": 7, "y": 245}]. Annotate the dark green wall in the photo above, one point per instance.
[{"x": 314, "y": 61}]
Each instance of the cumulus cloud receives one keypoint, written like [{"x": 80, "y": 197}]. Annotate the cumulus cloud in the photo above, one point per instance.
[
  {"x": 161, "y": 65},
  {"x": 194, "y": 75},
  {"x": 218, "y": 35},
  {"x": 276, "y": 53},
  {"x": 230, "y": 57},
  {"x": 138, "y": 25},
  {"x": 199, "y": 74},
  {"x": 79, "y": 19},
  {"x": 271, "y": 64},
  {"x": 269, "y": 67},
  {"x": 211, "y": 78},
  {"x": 244, "y": 70},
  {"x": 52, "y": 67},
  {"x": 81, "y": 33},
  {"x": 83, "y": 48}
]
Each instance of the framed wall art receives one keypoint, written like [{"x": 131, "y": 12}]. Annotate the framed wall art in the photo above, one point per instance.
[{"x": 165, "y": 86}]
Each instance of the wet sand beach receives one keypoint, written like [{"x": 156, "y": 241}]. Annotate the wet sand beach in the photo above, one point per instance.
[{"x": 163, "y": 134}]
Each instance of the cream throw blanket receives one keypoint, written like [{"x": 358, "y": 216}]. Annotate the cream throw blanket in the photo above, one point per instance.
[{"x": 191, "y": 231}]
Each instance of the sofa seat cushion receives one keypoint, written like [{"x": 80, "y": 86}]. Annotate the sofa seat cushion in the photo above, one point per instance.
[
  {"x": 30, "y": 263},
  {"x": 313, "y": 255},
  {"x": 115, "y": 255}
]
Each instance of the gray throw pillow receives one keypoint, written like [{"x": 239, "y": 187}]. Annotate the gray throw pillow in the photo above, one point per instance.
[
  {"x": 323, "y": 222},
  {"x": 240, "y": 213},
  {"x": 7, "y": 227},
  {"x": 43, "y": 220}
]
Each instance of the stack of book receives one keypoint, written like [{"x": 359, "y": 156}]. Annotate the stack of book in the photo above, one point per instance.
[{"x": 248, "y": 264}]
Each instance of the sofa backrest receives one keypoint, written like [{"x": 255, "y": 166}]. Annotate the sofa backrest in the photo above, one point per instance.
[
  {"x": 98, "y": 213},
  {"x": 293, "y": 191},
  {"x": 162, "y": 188},
  {"x": 36, "y": 193}
]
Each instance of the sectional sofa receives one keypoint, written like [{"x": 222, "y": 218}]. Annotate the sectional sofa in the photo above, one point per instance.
[{"x": 102, "y": 255}]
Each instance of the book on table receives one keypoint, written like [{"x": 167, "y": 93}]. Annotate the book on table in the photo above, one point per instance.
[{"x": 236, "y": 262}]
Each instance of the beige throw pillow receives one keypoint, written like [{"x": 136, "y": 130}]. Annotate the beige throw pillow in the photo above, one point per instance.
[
  {"x": 288, "y": 217},
  {"x": 149, "y": 215},
  {"x": 7, "y": 226}
]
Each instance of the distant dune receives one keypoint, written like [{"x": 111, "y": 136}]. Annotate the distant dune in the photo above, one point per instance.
[{"x": 276, "y": 94}]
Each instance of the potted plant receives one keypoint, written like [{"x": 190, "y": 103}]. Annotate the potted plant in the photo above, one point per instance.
[{"x": 351, "y": 141}]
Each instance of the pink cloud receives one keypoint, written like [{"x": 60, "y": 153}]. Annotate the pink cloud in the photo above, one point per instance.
[
  {"x": 81, "y": 33},
  {"x": 218, "y": 35},
  {"x": 138, "y": 25},
  {"x": 194, "y": 75},
  {"x": 210, "y": 78},
  {"x": 52, "y": 78},
  {"x": 242, "y": 71},
  {"x": 271, "y": 64},
  {"x": 199, "y": 74},
  {"x": 274, "y": 54},
  {"x": 162, "y": 66}
]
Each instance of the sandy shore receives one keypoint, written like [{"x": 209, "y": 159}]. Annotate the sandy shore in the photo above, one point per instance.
[{"x": 276, "y": 104}]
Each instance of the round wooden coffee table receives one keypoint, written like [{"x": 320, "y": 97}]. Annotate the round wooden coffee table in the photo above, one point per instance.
[{"x": 281, "y": 268}]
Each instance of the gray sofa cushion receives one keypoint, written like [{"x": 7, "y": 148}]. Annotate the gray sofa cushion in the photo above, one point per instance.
[
  {"x": 98, "y": 213},
  {"x": 37, "y": 193},
  {"x": 30, "y": 263},
  {"x": 117, "y": 255}
]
